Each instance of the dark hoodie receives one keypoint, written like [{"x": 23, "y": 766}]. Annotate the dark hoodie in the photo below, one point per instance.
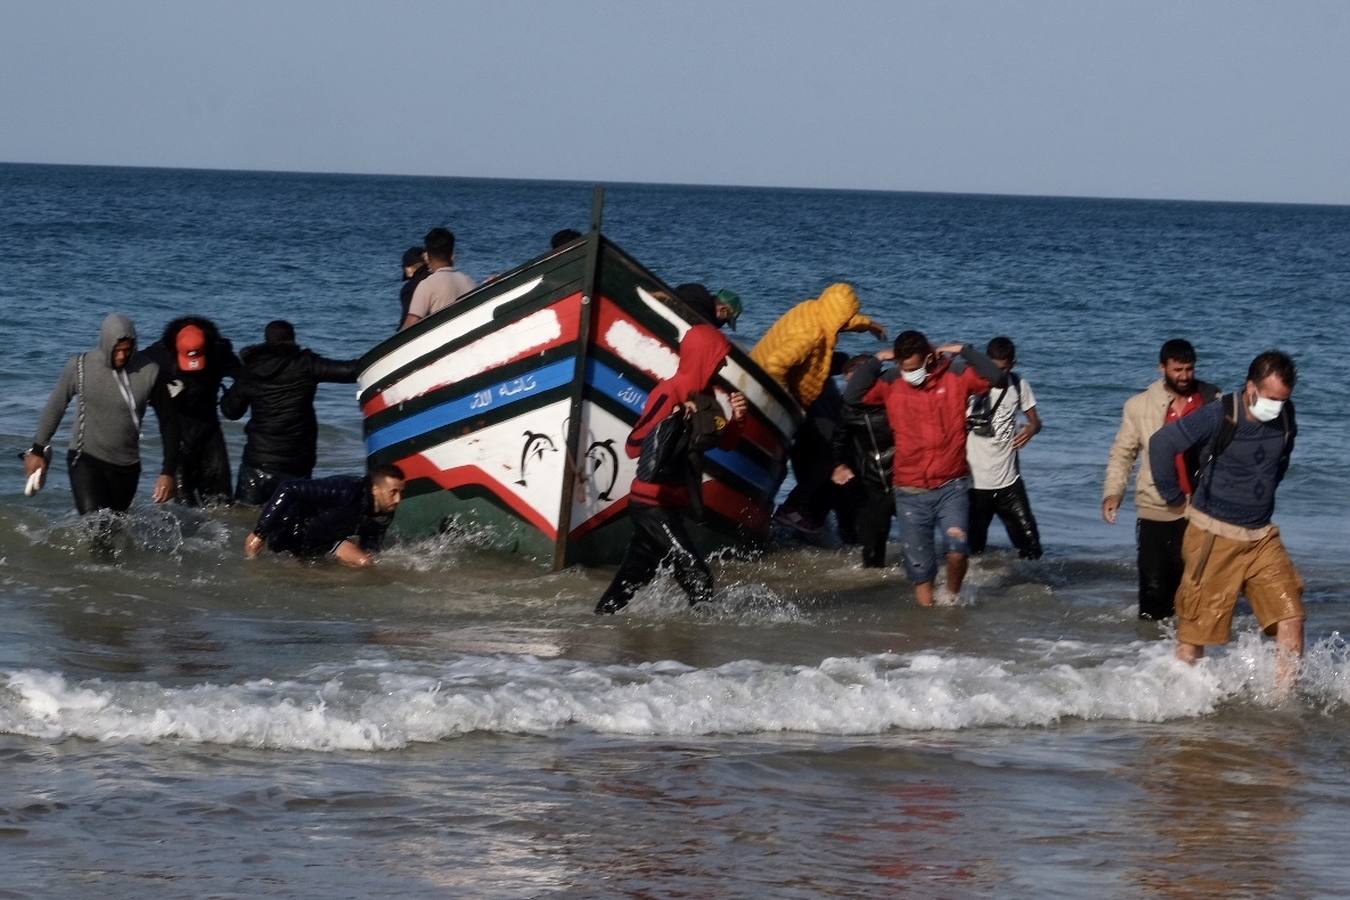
[
  {"x": 109, "y": 415},
  {"x": 195, "y": 394},
  {"x": 278, "y": 382},
  {"x": 701, "y": 354}
]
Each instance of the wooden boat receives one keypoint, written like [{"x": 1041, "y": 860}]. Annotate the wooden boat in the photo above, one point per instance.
[{"x": 509, "y": 410}]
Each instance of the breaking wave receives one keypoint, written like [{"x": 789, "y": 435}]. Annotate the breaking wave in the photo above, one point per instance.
[{"x": 386, "y": 705}]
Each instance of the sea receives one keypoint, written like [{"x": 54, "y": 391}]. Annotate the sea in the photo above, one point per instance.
[{"x": 178, "y": 722}]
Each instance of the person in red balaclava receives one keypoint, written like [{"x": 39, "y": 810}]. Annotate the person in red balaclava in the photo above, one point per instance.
[{"x": 680, "y": 421}]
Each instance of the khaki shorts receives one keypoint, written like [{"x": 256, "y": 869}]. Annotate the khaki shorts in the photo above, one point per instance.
[{"x": 1218, "y": 569}]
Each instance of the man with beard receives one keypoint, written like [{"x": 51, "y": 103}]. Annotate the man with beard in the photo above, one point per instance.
[
  {"x": 1160, "y": 526},
  {"x": 193, "y": 362}
]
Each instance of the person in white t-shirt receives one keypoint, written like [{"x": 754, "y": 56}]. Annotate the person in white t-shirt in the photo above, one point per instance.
[
  {"x": 995, "y": 436},
  {"x": 445, "y": 285}
]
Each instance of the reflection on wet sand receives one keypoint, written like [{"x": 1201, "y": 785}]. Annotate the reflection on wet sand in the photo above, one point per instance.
[{"x": 1221, "y": 814}]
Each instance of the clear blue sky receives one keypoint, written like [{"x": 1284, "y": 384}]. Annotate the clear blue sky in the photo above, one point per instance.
[{"x": 1205, "y": 99}]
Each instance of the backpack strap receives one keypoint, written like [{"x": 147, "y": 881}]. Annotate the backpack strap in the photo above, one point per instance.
[
  {"x": 1219, "y": 443},
  {"x": 79, "y": 409}
]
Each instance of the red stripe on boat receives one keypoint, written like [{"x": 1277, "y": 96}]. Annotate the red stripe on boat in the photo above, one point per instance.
[{"x": 418, "y": 466}]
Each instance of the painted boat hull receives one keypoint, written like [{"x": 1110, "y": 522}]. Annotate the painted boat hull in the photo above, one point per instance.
[{"x": 509, "y": 410}]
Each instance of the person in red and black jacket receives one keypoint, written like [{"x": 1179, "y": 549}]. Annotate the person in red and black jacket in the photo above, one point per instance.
[{"x": 680, "y": 421}]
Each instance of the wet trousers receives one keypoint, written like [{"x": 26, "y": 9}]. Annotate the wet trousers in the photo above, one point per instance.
[
  {"x": 101, "y": 485},
  {"x": 1013, "y": 508},
  {"x": 204, "y": 470},
  {"x": 873, "y": 522},
  {"x": 659, "y": 536},
  {"x": 1160, "y": 566},
  {"x": 256, "y": 486}
]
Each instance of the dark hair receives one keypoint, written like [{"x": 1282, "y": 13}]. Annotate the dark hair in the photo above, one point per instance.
[
  {"x": 279, "y": 331},
  {"x": 1001, "y": 348},
  {"x": 1176, "y": 350},
  {"x": 566, "y": 236},
  {"x": 440, "y": 244},
  {"x": 911, "y": 343},
  {"x": 387, "y": 470},
  {"x": 1273, "y": 362}
]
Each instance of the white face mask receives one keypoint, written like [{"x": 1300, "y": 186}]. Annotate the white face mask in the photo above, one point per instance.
[
  {"x": 917, "y": 377},
  {"x": 1265, "y": 409}
]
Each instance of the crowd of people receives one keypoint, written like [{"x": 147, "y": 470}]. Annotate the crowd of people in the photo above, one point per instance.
[{"x": 923, "y": 434}]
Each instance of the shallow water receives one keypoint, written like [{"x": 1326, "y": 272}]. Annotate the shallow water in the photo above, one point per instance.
[{"x": 174, "y": 721}]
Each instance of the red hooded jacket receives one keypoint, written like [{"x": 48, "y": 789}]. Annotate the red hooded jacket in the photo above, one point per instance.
[
  {"x": 929, "y": 422},
  {"x": 701, "y": 354}
]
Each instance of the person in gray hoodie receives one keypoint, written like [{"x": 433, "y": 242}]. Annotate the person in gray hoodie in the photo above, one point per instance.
[{"x": 113, "y": 383}]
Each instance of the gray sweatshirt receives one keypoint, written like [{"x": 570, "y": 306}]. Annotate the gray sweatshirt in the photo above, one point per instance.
[{"x": 109, "y": 415}]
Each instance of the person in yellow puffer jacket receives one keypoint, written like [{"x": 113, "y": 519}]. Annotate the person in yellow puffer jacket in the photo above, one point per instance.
[{"x": 797, "y": 350}]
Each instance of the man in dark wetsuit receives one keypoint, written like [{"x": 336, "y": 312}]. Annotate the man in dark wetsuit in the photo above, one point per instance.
[
  {"x": 343, "y": 516},
  {"x": 864, "y": 454},
  {"x": 277, "y": 381},
  {"x": 680, "y": 421},
  {"x": 112, "y": 385},
  {"x": 193, "y": 362}
]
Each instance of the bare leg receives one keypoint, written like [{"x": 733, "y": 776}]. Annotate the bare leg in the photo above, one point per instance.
[
  {"x": 1189, "y": 653},
  {"x": 957, "y": 564},
  {"x": 923, "y": 593},
  {"x": 1288, "y": 651}
]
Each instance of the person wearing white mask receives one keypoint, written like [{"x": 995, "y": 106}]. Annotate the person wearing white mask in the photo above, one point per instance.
[
  {"x": 926, "y": 407},
  {"x": 1231, "y": 546}
]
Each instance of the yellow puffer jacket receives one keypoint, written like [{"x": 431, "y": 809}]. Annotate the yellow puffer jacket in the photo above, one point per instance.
[{"x": 797, "y": 349}]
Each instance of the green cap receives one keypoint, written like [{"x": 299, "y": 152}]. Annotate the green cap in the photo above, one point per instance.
[{"x": 732, "y": 301}]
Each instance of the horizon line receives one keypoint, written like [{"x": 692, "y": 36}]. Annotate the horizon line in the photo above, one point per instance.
[{"x": 677, "y": 184}]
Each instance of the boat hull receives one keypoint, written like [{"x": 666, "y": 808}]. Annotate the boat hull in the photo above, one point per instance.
[{"x": 509, "y": 411}]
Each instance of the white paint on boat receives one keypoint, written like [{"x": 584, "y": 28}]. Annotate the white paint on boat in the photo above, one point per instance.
[
  {"x": 441, "y": 335},
  {"x": 641, "y": 350},
  {"x": 535, "y": 330}
]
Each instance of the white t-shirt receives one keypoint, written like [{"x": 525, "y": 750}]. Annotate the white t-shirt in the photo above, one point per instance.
[
  {"x": 439, "y": 290},
  {"x": 993, "y": 461}
]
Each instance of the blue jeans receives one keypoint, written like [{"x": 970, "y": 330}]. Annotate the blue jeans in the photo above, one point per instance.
[{"x": 941, "y": 509}]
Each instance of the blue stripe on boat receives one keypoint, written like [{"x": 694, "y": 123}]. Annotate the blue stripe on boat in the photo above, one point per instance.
[
  {"x": 495, "y": 396},
  {"x": 607, "y": 381}
]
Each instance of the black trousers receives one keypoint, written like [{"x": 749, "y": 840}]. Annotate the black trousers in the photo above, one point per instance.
[
  {"x": 658, "y": 536},
  {"x": 256, "y": 486},
  {"x": 812, "y": 466},
  {"x": 101, "y": 485},
  {"x": 1013, "y": 508},
  {"x": 875, "y": 512},
  {"x": 1160, "y": 566},
  {"x": 204, "y": 470}
]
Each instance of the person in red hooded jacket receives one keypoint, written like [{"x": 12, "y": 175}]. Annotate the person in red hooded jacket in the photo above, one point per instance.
[
  {"x": 926, "y": 407},
  {"x": 680, "y": 421}
]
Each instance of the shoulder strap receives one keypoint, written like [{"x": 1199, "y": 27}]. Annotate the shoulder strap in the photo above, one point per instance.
[{"x": 1219, "y": 443}]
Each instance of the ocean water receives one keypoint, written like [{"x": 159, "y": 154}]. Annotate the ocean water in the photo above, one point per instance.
[{"x": 175, "y": 722}]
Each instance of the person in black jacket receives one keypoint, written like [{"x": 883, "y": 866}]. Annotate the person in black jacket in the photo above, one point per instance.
[
  {"x": 414, "y": 271},
  {"x": 343, "y": 516},
  {"x": 864, "y": 453},
  {"x": 278, "y": 380},
  {"x": 194, "y": 360}
]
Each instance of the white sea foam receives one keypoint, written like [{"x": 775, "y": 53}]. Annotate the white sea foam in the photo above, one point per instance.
[{"x": 383, "y": 704}]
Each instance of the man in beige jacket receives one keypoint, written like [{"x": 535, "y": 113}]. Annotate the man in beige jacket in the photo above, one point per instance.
[{"x": 1159, "y": 528}]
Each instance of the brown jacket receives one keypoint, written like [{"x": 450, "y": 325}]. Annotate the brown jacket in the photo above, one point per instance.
[{"x": 1143, "y": 415}]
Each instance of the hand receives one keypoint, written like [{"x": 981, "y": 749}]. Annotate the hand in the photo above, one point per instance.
[
  {"x": 1110, "y": 508},
  {"x": 886, "y": 355},
  {"x": 842, "y": 475},
  {"x": 951, "y": 349},
  {"x": 164, "y": 488},
  {"x": 253, "y": 545},
  {"x": 33, "y": 462},
  {"x": 877, "y": 331},
  {"x": 686, "y": 409},
  {"x": 738, "y": 406},
  {"x": 1023, "y": 437}
]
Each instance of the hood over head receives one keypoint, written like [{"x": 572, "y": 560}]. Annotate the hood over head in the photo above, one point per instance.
[
  {"x": 838, "y": 304},
  {"x": 701, "y": 353},
  {"x": 115, "y": 329}
]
